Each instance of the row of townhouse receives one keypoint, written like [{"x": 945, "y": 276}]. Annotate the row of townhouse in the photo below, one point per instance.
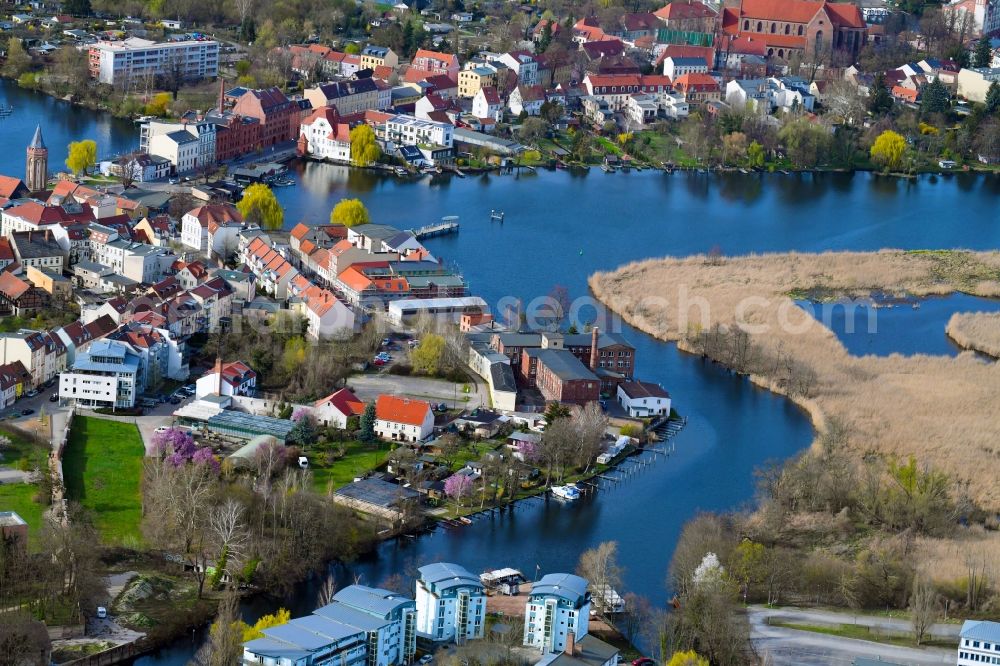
[
  {"x": 42, "y": 353},
  {"x": 325, "y": 312}
]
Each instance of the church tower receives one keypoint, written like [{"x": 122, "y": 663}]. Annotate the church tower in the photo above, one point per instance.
[{"x": 37, "y": 172}]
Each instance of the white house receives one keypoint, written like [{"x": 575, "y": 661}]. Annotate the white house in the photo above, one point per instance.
[
  {"x": 451, "y": 603},
  {"x": 559, "y": 606},
  {"x": 527, "y": 99},
  {"x": 107, "y": 375},
  {"x": 674, "y": 67},
  {"x": 324, "y": 137},
  {"x": 487, "y": 104},
  {"x": 642, "y": 399},
  {"x": 336, "y": 408},
  {"x": 180, "y": 147},
  {"x": 195, "y": 225},
  {"x": 362, "y": 625},
  {"x": 979, "y": 643},
  {"x": 402, "y": 419},
  {"x": 327, "y": 315},
  {"x": 523, "y": 64},
  {"x": 236, "y": 378}
]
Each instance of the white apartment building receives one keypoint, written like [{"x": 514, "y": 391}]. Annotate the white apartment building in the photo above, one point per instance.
[
  {"x": 403, "y": 420},
  {"x": 202, "y": 130},
  {"x": 325, "y": 137},
  {"x": 42, "y": 354},
  {"x": 403, "y": 130},
  {"x": 363, "y": 626},
  {"x": 134, "y": 58},
  {"x": 674, "y": 67},
  {"x": 180, "y": 148},
  {"x": 451, "y": 603},
  {"x": 136, "y": 261},
  {"x": 107, "y": 375},
  {"x": 979, "y": 643},
  {"x": 559, "y": 605}
]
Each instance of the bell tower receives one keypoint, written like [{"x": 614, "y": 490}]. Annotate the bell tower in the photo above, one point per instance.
[{"x": 37, "y": 171}]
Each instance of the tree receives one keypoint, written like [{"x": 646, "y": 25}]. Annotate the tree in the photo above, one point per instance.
[
  {"x": 982, "y": 55},
  {"x": 888, "y": 149},
  {"x": 82, "y": 156},
  {"x": 599, "y": 565},
  {"x": 923, "y": 607},
  {"x": 364, "y": 148},
  {"x": 367, "y": 433},
  {"x": 457, "y": 486},
  {"x": 687, "y": 658},
  {"x": 755, "y": 155},
  {"x": 225, "y": 643},
  {"x": 533, "y": 130},
  {"x": 158, "y": 105},
  {"x": 987, "y": 141},
  {"x": 555, "y": 410},
  {"x": 279, "y": 617},
  {"x": 734, "y": 147},
  {"x": 935, "y": 97},
  {"x": 259, "y": 206},
  {"x": 426, "y": 358},
  {"x": 880, "y": 101},
  {"x": 77, "y": 7},
  {"x": 18, "y": 60},
  {"x": 807, "y": 143},
  {"x": 591, "y": 424},
  {"x": 993, "y": 98},
  {"x": 349, "y": 213},
  {"x": 303, "y": 432},
  {"x": 449, "y": 444}
]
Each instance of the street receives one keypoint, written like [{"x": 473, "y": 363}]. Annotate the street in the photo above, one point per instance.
[{"x": 806, "y": 648}]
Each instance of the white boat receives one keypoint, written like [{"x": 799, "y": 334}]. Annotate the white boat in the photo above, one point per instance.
[{"x": 568, "y": 492}]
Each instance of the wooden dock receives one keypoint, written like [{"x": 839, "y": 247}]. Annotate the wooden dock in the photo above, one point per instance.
[{"x": 447, "y": 225}]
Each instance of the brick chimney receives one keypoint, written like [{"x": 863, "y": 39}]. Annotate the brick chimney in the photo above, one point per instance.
[
  {"x": 218, "y": 371},
  {"x": 222, "y": 93},
  {"x": 570, "y": 643},
  {"x": 593, "y": 348}
]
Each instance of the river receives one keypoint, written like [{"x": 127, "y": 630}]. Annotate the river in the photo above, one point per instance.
[{"x": 559, "y": 228}]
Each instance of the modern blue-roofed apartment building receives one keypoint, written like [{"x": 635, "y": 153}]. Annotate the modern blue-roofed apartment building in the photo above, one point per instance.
[
  {"x": 979, "y": 643},
  {"x": 451, "y": 603},
  {"x": 362, "y": 626},
  {"x": 109, "y": 374},
  {"x": 558, "y": 606}
]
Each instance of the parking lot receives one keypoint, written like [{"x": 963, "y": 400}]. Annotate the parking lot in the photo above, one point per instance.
[{"x": 369, "y": 386}]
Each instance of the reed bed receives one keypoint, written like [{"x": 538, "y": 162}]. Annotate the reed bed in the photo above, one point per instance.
[
  {"x": 979, "y": 331},
  {"x": 941, "y": 410}
]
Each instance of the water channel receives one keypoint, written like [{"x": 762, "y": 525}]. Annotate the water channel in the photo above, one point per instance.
[{"x": 559, "y": 228}]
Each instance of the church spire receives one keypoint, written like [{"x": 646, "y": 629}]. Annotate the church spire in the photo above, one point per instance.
[{"x": 37, "y": 141}]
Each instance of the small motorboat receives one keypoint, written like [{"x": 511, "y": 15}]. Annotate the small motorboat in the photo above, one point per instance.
[
  {"x": 401, "y": 172},
  {"x": 464, "y": 520},
  {"x": 568, "y": 492}
]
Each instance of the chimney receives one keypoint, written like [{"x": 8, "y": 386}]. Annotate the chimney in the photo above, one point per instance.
[
  {"x": 570, "y": 643},
  {"x": 593, "y": 349},
  {"x": 222, "y": 93},
  {"x": 218, "y": 370}
]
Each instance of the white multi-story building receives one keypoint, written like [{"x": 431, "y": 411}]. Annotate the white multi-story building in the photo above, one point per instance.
[
  {"x": 324, "y": 137},
  {"x": 106, "y": 375},
  {"x": 363, "y": 626},
  {"x": 43, "y": 354},
  {"x": 196, "y": 222},
  {"x": 451, "y": 603},
  {"x": 559, "y": 605},
  {"x": 522, "y": 63},
  {"x": 403, "y": 130},
  {"x": 642, "y": 399},
  {"x": 179, "y": 147},
  {"x": 674, "y": 67},
  {"x": 979, "y": 643},
  {"x": 134, "y": 58}
]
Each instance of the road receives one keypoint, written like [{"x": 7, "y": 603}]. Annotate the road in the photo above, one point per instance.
[
  {"x": 369, "y": 387},
  {"x": 806, "y": 648}
]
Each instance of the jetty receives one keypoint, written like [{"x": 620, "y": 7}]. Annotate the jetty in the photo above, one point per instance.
[
  {"x": 447, "y": 225},
  {"x": 496, "y": 215}
]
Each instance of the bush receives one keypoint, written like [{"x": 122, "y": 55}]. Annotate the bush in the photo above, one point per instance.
[
  {"x": 120, "y": 411},
  {"x": 401, "y": 369}
]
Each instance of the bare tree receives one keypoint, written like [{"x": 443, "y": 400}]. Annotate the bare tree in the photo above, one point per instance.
[
  {"x": 228, "y": 530},
  {"x": 225, "y": 643},
  {"x": 600, "y": 567},
  {"x": 558, "y": 444},
  {"x": 591, "y": 424},
  {"x": 924, "y": 608}
]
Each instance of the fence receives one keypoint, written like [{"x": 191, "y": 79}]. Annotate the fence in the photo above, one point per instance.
[{"x": 113, "y": 656}]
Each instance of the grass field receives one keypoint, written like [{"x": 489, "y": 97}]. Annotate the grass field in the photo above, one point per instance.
[
  {"x": 103, "y": 469},
  {"x": 358, "y": 459},
  {"x": 26, "y": 455},
  {"x": 860, "y": 632}
]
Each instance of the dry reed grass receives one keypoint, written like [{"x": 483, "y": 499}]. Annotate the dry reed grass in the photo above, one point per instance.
[
  {"x": 941, "y": 410},
  {"x": 976, "y": 330},
  {"x": 946, "y": 560}
]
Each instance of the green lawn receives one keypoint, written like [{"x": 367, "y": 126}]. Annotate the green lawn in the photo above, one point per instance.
[
  {"x": 26, "y": 455},
  {"x": 103, "y": 470},
  {"x": 864, "y": 633},
  {"x": 19, "y": 497},
  {"x": 358, "y": 459}
]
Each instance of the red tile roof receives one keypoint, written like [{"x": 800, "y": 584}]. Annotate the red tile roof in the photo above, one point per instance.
[
  {"x": 401, "y": 410},
  {"x": 12, "y": 286},
  {"x": 221, "y": 214},
  {"x": 344, "y": 402},
  {"x": 697, "y": 82},
  {"x": 680, "y": 10},
  {"x": 9, "y": 186}
]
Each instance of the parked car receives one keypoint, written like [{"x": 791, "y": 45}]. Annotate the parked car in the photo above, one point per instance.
[
  {"x": 162, "y": 429},
  {"x": 643, "y": 661},
  {"x": 27, "y": 412},
  {"x": 102, "y": 612},
  {"x": 379, "y": 362},
  {"x": 442, "y": 407},
  {"x": 32, "y": 393},
  {"x": 54, "y": 397},
  {"x": 426, "y": 659},
  {"x": 190, "y": 389},
  {"x": 303, "y": 462},
  {"x": 174, "y": 400}
]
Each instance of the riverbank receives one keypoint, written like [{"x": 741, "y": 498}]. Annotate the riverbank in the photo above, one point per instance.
[
  {"x": 978, "y": 331},
  {"x": 936, "y": 409}
]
